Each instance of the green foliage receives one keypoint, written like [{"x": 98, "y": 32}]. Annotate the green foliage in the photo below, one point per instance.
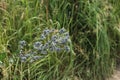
[{"x": 94, "y": 27}]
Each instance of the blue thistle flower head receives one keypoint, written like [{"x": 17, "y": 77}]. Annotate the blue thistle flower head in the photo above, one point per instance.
[
  {"x": 43, "y": 52},
  {"x": 46, "y": 46},
  {"x": 46, "y": 31},
  {"x": 58, "y": 49},
  {"x": 22, "y": 44},
  {"x": 54, "y": 38},
  {"x": 42, "y": 37},
  {"x": 67, "y": 48},
  {"x": 52, "y": 48},
  {"x": 23, "y": 58},
  {"x": 36, "y": 57},
  {"x": 63, "y": 40},
  {"x": 62, "y": 30},
  {"x": 27, "y": 55},
  {"x": 52, "y": 30},
  {"x": 66, "y": 35},
  {"x": 20, "y": 55},
  {"x": 32, "y": 52},
  {"x": 37, "y": 45}
]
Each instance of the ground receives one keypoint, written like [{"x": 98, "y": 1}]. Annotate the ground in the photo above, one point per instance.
[{"x": 116, "y": 75}]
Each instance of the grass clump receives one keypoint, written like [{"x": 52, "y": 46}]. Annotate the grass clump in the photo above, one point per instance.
[{"x": 93, "y": 26}]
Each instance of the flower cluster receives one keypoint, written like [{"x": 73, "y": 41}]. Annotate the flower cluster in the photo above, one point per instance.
[{"x": 50, "y": 41}]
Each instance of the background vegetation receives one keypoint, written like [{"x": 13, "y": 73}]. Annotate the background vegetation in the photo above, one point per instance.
[{"x": 94, "y": 27}]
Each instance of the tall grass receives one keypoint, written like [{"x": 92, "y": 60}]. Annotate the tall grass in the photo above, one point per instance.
[
  {"x": 94, "y": 21},
  {"x": 94, "y": 28}
]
